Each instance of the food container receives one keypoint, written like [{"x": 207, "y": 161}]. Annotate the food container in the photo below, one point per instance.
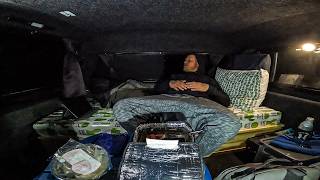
[
  {"x": 80, "y": 161},
  {"x": 141, "y": 162},
  {"x": 166, "y": 131}
]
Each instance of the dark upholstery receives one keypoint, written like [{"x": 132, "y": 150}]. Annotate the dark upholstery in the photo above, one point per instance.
[
  {"x": 156, "y": 25},
  {"x": 247, "y": 62},
  {"x": 294, "y": 109},
  {"x": 138, "y": 66},
  {"x": 145, "y": 66}
]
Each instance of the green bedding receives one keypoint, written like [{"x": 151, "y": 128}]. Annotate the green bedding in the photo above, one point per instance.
[{"x": 102, "y": 121}]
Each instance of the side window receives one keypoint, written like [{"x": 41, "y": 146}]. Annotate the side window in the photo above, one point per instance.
[
  {"x": 29, "y": 61},
  {"x": 298, "y": 68}
]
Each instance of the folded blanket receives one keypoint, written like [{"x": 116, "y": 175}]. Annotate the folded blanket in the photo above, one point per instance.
[
  {"x": 218, "y": 122},
  {"x": 311, "y": 146}
]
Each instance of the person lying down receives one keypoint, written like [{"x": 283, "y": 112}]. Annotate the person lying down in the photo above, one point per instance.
[
  {"x": 193, "y": 83},
  {"x": 197, "y": 96}
]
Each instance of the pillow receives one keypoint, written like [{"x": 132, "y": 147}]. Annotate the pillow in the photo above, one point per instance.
[{"x": 246, "y": 88}]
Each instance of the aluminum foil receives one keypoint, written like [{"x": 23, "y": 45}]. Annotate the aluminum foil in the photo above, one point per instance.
[
  {"x": 143, "y": 163},
  {"x": 175, "y": 130}
]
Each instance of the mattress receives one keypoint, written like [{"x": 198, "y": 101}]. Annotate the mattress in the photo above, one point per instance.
[
  {"x": 259, "y": 121},
  {"x": 258, "y": 117}
]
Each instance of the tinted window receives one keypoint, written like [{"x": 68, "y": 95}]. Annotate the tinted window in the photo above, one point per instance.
[
  {"x": 298, "y": 68},
  {"x": 29, "y": 61}
]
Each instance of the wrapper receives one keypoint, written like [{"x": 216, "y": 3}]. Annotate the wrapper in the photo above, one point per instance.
[{"x": 79, "y": 161}]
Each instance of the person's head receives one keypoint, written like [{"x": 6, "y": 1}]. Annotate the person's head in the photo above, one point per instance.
[{"x": 190, "y": 63}]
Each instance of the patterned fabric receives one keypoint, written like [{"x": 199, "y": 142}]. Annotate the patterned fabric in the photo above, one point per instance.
[
  {"x": 54, "y": 125},
  {"x": 257, "y": 117},
  {"x": 246, "y": 89},
  {"x": 102, "y": 121},
  {"x": 198, "y": 111}
]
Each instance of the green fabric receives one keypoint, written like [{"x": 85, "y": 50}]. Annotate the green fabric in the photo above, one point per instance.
[
  {"x": 102, "y": 121},
  {"x": 243, "y": 87}
]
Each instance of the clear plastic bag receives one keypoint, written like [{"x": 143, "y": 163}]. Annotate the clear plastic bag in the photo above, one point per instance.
[{"x": 80, "y": 161}]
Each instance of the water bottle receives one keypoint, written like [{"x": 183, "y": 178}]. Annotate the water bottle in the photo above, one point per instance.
[
  {"x": 305, "y": 129},
  {"x": 307, "y": 125}
]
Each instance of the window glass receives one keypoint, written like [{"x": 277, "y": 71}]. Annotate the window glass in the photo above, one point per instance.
[
  {"x": 298, "y": 68},
  {"x": 29, "y": 61}
]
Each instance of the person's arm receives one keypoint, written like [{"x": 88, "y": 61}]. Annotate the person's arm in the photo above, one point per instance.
[
  {"x": 216, "y": 93},
  {"x": 212, "y": 89},
  {"x": 162, "y": 86}
]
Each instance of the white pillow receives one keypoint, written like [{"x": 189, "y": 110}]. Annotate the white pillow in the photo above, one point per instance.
[{"x": 246, "y": 88}]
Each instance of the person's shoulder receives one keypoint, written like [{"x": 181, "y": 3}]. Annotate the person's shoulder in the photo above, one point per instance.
[
  {"x": 204, "y": 76},
  {"x": 177, "y": 75}
]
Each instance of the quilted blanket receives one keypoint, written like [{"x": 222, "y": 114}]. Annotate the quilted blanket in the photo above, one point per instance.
[{"x": 217, "y": 122}]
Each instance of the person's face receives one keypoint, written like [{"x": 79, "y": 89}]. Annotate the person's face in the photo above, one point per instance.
[{"x": 190, "y": 64}]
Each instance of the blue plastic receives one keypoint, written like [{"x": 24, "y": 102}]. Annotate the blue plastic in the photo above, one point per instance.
[
  {"x": 290, "y": 142},
  {"x": 207, "y": 174}
]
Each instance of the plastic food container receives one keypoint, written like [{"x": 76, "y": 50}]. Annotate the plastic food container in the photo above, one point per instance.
[
  {"x": 80, "y": 161},
  {"x": 165, "y": 131}
]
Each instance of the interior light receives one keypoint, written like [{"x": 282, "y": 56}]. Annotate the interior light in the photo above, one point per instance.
[
  {"x": 308, "y": 47},
  {"x": 37, "y": 25},
  {"x": 67, "y": 13}
]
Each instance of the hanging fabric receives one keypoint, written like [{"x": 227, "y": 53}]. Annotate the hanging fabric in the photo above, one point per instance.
[{"x": 73, "y": 83}]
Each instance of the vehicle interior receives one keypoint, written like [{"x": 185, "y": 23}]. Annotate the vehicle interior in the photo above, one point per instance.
[{"x": 79, "y": 55}]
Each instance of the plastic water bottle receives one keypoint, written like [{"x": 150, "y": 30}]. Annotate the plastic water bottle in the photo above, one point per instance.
[
  {"x": 307, "y": 125},
  {"x": 305, "y": 129}
]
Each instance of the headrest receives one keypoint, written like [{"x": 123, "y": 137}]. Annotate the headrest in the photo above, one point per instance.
[{"x": 247, "y": 62}]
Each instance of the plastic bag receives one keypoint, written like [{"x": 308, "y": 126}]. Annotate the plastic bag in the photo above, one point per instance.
[{"x": 80, "y": 161}]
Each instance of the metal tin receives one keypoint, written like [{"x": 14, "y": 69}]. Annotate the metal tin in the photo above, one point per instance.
[{"x": 143, "y": 163}]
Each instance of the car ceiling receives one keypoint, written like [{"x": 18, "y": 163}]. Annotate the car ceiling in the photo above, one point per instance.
[{"x": 241, "y": 22}]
